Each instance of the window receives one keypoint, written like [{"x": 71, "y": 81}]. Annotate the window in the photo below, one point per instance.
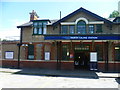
[
  {"x": 39, "y": 28},
  {"x": 72, "y": 29},
  {"x": 35, "y": 24},
  {"x": 35, "y": 30},
  {"x": 65, "y": 52},
  {"x": 91, "y": 29},
  {"x": 44, "y": 28},
  {"x": 81, "y": 27},
  {"x": 99, "y": 28},
  {"x": 99, "y": 50},
  {"x": 117, "y": 53},
  {"x": 64, "y": 29},
  {"x": 30, "y": 52}
]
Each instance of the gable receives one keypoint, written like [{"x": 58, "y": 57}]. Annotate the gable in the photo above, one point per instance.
[{"x": 82, "y": 13}]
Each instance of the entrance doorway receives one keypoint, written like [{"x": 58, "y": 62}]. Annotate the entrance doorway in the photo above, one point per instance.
[{"x": 81, "y": 60}]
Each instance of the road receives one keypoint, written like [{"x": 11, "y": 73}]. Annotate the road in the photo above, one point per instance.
[{"x": 10, "y": 80}]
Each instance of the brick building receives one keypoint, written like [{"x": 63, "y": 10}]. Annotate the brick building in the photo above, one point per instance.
[{"x": 72, "y": 42}]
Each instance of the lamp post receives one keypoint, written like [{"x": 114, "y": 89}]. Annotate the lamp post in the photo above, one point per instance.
[{"x": 19, "y": 45}]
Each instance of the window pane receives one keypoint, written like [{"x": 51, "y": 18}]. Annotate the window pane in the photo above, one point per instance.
[
  {"x": 65, "y": 52},
  {"x": 81, "y": 27},
  {"x": 117, "y": 53},
  {"x": 44, "y": 30},
  {"x": 99, "y": 28},
  {"x": 40, "y": 23},
  {"x": 64, "y": 29},
  {"x": 40, "y": 30},
  {"x": 91, "y": 29},
  {"x": 44, "y": 24},
  {"x": 99, "y": 50},
  {"x": 44, "y": 27},
  {"x": 35, "y": 24},
  {"x": 72, "y": 29},
  {"x": 35, "y": 30}
]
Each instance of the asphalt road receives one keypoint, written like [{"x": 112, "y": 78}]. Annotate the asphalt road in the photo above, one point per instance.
[{"x": 10, "y": 80}]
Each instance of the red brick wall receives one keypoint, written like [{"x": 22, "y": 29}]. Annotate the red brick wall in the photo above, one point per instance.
[
  {"x": 37, "y": 64},
  {"x": 53, "y": 65},
  {"x": 67, "y": 65},
  {"x": 111, "y": 66},
  {"x": 9, "y": 63}
]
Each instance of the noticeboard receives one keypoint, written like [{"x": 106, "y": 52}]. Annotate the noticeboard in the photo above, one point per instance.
[
  {"x": 93, "y": 56},
  {"x": 47, "y": 55},
  {"x": 9, "y": 55}
]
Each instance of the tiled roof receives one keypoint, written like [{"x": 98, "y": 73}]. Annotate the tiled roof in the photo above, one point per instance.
[
  {"x": 110, "y": 19},
  {"x": 52, "y": 21},
  {"x": 31, "y": 22},
  {"x": 25, "y": 24}
]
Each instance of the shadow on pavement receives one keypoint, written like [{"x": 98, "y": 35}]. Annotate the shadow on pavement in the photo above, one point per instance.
[
  {"x": 60, "y": 73},
  {"x": 118, "y": 80}
]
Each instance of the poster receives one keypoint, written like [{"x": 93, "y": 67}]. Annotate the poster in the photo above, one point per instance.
[
  {"x": 9, "y": 54},
  {"x": 93, "y": 57},
  {"x": 47, "y": 55}
]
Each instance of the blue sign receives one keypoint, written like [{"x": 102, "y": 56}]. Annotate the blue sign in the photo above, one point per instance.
[{"x": 82, "y": 37}]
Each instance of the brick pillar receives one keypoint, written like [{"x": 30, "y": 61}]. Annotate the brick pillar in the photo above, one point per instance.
[
  {"x": 26, "y": 52},
  {"x": 42, "y": 52},
  {"x": 35, "y": 51},
  {"x": 71, "y": 51},
  {"x": 93, "y": 45}
]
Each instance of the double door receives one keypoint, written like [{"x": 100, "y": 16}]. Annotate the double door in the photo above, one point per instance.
[{"x": 81, "y": 60}]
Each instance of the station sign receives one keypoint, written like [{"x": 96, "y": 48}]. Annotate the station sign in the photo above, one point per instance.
[{"x": 82, "y": 37}]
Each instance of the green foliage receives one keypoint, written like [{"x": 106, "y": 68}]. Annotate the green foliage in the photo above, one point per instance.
[
  {"x": 114, "y": 14},
  {"x": 4, "y": 40}
]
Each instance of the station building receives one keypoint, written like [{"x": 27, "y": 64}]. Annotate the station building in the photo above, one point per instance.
[{"x": 68, "y": 43}]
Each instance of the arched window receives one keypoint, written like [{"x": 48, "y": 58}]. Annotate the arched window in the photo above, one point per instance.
[{"x": 81, "y": 27}]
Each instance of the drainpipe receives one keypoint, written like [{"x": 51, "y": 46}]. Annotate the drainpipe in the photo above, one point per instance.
[{"x": 19, "y": 46}]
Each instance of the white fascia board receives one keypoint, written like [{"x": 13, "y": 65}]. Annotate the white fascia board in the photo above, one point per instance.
[
  {"x": 73, "y": 23},
  {"x": 96, "y": 22},
  {"x": 67, "y": 23}
]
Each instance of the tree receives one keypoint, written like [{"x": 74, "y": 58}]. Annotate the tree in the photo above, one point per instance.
[
  {"x": 114, "y": 14},
  {"x": 4, "y": 40}
]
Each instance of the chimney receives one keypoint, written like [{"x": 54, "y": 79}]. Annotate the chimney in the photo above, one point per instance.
[{"x": 33, "y": 15}]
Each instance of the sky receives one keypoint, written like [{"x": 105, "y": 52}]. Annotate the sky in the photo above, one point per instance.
[{"x": 16, "y": 12}]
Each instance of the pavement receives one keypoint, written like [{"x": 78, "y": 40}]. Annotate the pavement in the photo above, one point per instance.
[{"x": 63, "y": 73}]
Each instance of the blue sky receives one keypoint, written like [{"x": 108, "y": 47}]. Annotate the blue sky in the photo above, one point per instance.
[{"x": 15, "y": 13}]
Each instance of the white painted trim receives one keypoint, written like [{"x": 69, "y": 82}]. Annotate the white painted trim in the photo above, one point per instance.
[
  {"x": 67, "y": 23},
  {"x": 82, "y": 18},
  {"x": 97, "y": 22},
  {"x": 73, "y": 23}
]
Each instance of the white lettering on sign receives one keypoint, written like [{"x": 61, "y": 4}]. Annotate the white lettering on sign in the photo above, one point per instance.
[
  {"x": 92, "y": 37},
  {"x": 84, "y": 37}
]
